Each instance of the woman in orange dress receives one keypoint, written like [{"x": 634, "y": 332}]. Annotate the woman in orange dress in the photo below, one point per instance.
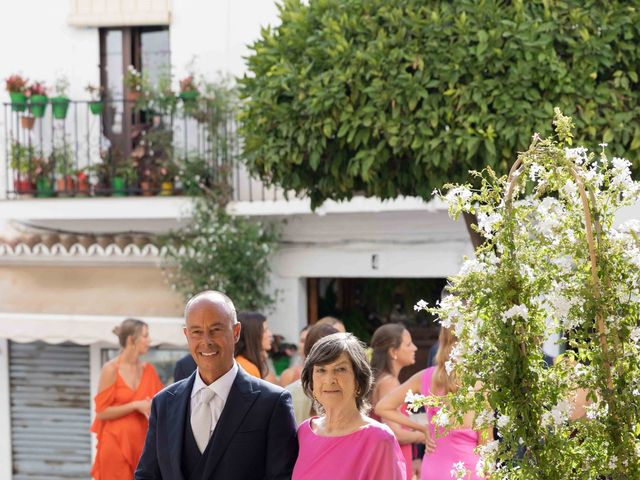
[
  {"x": 122, "y": 404},
  {"x": 252, "y": 349}
]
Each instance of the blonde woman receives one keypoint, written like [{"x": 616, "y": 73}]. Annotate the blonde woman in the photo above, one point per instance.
[
  {"x": 459, "y": 443},
  {"x": 123, "y": 403}
]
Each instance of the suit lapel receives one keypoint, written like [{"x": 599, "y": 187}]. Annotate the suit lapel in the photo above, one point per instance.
[
  {"x": 177, "y": 407},
  {"x": 241, "y": 398}
]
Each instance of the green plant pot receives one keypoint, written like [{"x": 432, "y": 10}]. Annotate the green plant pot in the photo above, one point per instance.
[
  {"x": 18, "y": 101},
  {"x": 59, "y": 107},
  {"x": 44, "y": 187},
  {"x": 118, "y": 187},
  {"x": 189, "y": 96},
  {"x": 96, "y": 107},
  {"x": 38, "y": 105}
]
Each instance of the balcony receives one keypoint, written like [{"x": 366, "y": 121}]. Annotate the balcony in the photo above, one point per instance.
[{"x": 123, "y": 148}]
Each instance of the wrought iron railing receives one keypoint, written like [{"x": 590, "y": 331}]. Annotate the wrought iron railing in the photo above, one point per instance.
[{"x": 123, "y": 148}]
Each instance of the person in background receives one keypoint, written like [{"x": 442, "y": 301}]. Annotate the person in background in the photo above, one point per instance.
[
  {"x": 125, "y": 389},
  {"x": 302, "y": 404},
  {"x": 251, "y": 351},
  {"x": 334, "y": 322},
  {"x": 184, "y": 368},
  {"x": 343, "y": 443},
  {"x": 293, "y": 373},
  {"x": 459, "y": 443},
  {"x": 393, "y": 349}
]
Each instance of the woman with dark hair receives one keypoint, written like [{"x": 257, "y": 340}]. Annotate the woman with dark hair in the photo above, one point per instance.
[
  {"x": 302, "y": 406},
  {"x": 392, "y": 349},
  {"x": 343, "y": 443},
  {"x": 123, "y": 403},
  {"x": 253, "y": 344},
  {"x": 458, "y": 444}
]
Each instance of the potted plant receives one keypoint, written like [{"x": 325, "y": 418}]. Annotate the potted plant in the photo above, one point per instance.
[
  {"x": 124, "y": 180},
  {"x": 137, "y": 85},
  {"x": 60, "y": 101},
  {"x": 27, "y": 122},
  {"x": 188, "y": 89},
  {"x": 43, "y": 170},
  {"x": 167, "y": 175},
  {"x": 62, "y": 161},
  {"x": 82, "y": 181},
  {"x": 16, "y": 86},
  {"x": 20, "y": 163},
  {"x": 37, "y": 94},
  {"x": 96, "y": 104}
]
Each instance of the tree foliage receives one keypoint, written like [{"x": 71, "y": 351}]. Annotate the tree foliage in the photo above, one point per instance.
[
  {"x": 222, "y": 252},
  {"x": 397, "y": 98}
]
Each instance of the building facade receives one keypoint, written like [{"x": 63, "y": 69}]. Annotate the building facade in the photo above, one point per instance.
[{"x": 73, "y": 264}]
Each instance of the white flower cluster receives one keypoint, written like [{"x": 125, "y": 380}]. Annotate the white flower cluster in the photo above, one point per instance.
[
  {"x": 487, "y": 463},
  {"x": 487, "y": 223},
  {"x": 516, "y": 311},
  {"x": 441, "y": 418},
  {"x": 558, "y": 415},
  {"x": 421, "y": 305},
  {"x": 459, "y": 470}
]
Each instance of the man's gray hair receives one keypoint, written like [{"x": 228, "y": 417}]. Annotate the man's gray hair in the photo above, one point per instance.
[{"x": 212, "y": 295}]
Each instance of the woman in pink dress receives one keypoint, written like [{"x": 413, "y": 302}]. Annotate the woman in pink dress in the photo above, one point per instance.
[
  {"x": 392, "y": 349},
  {"x": 343, "y": 443},
  {"x": 444, "y": 453}
]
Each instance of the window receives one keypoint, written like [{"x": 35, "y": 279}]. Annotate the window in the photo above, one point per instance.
[{"x": 148, "y": 50}]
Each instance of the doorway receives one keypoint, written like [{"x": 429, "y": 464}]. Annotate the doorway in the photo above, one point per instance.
[{"x": 363, "y": 304}]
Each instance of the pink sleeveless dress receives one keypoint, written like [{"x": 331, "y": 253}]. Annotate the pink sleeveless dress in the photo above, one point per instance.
[{"x": 456, "y": 446}]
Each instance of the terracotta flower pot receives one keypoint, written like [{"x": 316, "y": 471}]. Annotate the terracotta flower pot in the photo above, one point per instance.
[
  {"x": 22, "y": 186},
  {"x": 146, "y": 188},
  {"x": 65, "y": 186},
  {"x": 27, "y": 122}
]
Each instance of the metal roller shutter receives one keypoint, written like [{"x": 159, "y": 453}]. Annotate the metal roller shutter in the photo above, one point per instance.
[{"x": 50, "y": 410}]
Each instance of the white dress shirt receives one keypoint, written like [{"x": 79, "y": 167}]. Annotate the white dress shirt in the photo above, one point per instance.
[{"x": 221, "y": 388}]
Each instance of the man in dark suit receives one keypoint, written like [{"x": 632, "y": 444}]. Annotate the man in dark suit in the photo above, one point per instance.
[
  {"x": 219, "y": 423},
  {"x": 184, "y": 368}
]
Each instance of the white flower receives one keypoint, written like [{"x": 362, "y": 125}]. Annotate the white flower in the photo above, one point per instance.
[
  {"x": 421, "y": 305},
  {"x": 460, "y": 193},
  {"x": 448, "y": 366},
  {"x": 503, "y": 421},
  {"x": 516, "y": 311},
  {"x": 578, "y": 155},
  {"x": 569, "y": 189},
  {"x": 484, "y": 419},
  {"x": 486, "y": 222},
  {"x": 459, "y": 470},
  {"x": 471, "y": 266},
  {"x": 634, "y": 335},
  {"x": 620, "y": 163},
  {"x": 441, "y": 418}
]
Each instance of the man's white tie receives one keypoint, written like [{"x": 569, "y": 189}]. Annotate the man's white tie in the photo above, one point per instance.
[{"x": 201, "y": 420}]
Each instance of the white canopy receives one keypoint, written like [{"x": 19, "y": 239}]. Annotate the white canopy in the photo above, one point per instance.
[{"x": 83, "y": 329}]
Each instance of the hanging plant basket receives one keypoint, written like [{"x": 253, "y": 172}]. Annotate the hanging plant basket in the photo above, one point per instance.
[
  {"x": 38, "y": 105},
  {"x": 18, "y": 101},
  {"x": 188, "y": 97},
  {"x": 44, "y": 187},
  {"x": 59, "y": 107},
  {"x": 27, "y": 122},
  {"x": 96, "y": 107},
  {"x": 118, "y": 187}
]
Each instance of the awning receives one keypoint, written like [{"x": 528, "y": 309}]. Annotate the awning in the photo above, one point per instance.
[{"x": 83, "y": 329}]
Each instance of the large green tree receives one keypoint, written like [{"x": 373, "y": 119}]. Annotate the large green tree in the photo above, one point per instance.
[{"x": 398, "y": 97}]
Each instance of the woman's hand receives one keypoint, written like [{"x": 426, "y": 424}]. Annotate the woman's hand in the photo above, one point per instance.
[
  {"x": 429, "y": 441},
  {"x": 143, "y": 406}
]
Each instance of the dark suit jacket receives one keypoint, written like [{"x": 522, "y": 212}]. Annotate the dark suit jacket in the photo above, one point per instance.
[
  {"x": 254, "y": 439},
  {"x": 184, "y": 368}
]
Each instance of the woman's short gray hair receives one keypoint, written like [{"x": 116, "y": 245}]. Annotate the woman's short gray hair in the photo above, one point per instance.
[{"x": 327, "y": 350}]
